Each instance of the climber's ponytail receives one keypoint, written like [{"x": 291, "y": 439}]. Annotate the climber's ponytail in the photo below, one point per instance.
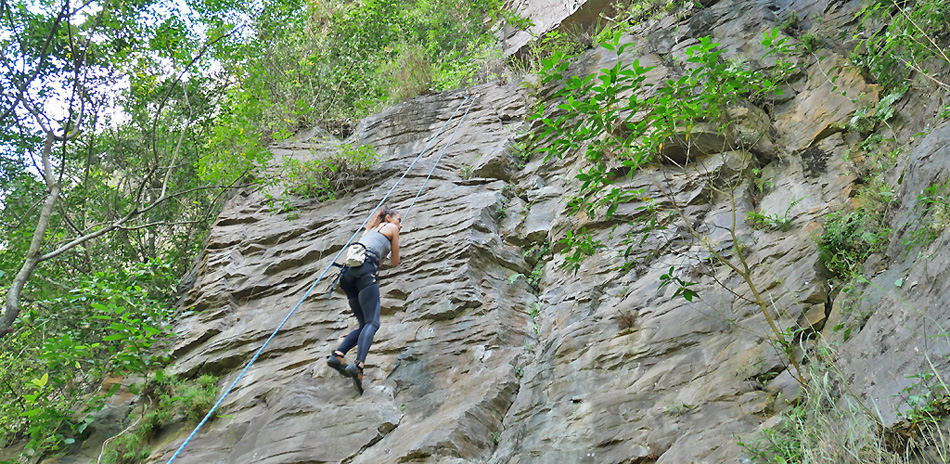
[{"x": 380, "y": 216}]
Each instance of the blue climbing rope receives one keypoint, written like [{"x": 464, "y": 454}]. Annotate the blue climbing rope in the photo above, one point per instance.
[
  {"x": 324, "y": 273},
  {"x": 452, "y": 137}
]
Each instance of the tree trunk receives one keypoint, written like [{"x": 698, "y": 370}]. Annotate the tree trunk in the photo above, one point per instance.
[{"x": 33, "y": 256}]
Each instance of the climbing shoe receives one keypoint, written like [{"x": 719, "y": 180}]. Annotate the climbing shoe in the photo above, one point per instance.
[
  {"x": 356, "y": 373},
  {"x": 336, "y": 361}
]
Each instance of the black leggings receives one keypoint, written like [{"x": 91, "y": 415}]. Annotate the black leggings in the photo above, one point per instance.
[{"x": 362, "y": 291}]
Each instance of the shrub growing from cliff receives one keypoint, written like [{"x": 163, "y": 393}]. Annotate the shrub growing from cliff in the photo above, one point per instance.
[
  {"x": 848, "y": 240},
  {"x": 622, "y": 125},
  {"x": 171, "y": 399},
  {"x": 326, "y": 178},
  {"x": 905, "y": 42}
]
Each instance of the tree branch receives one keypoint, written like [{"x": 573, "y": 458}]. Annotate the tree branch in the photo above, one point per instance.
[
  {"x": 157, "y": 223},
  {"x": 12, "y": 306},
  {"x": 21, "y": 89},
  {"x": 120, "y": 224},
  {"x": 161, "y": 105}
]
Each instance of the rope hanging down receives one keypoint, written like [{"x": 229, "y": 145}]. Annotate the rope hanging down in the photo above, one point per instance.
[
  {"x": 335, "y": 258},
  {"x": 439, "y": 158}
]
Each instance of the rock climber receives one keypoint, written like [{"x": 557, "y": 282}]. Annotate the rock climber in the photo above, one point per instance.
[{"x": 381, "y": 239}]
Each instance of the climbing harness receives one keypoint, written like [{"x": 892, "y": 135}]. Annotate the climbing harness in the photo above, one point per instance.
[{"x": 325, "y": 271}]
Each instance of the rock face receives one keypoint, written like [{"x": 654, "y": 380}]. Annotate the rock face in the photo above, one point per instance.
[
  {"x": 903, "y": 308},
  {"x": 474, "y": 365},
  {"x": 571, "y": 17}
]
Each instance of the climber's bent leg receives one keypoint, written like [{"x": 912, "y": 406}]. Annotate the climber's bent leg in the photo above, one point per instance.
[
  {"x": 352, "y": 294},
  {"x": 369, "y": 301}
]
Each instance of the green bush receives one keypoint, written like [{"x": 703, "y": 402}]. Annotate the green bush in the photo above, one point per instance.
[
  {"x": 111, "y": 323},
  {"x": 326, "y": 178},
  {"x": 170, "y": 399},
  {"x": 903, "y": 40},
  {"x": 849, "y": 239}
]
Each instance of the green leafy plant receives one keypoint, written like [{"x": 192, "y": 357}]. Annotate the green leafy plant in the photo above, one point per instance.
[
  {"x": 171, "y": 399},
  {"x": 495, "y": 437},
  {"x": 779, "y": 444},
  {"x": 614, "y": 118},
  {"x": 926, "y": 400},
  {"x": 762, "y": 185},
  {"x": 768, "y": 222},
  {"x": 580, "y": 245},
  {"x": 112, "y": 324},
  {"x": 682, "y": 286},
  {"x": 325, "y": 179},
  {"x": 865, "y": 120},
  {"x": 134, "y": 334},
  {"x": 773, "y": 221},
  {"x": 526, "y": 209},
  {"x": 502, "y": 209},
  {"x": 849, "y": 239},
  {"x": 534, "y": 310},
  {"x": 901, "y": 41},
  {"x": 534, "y": 279},
  {"x": 535, "y": 256},
  {"x": 521, "y": 152},
  {"x": 48, "y": 422},
  {"x": 811, "y": 42}
]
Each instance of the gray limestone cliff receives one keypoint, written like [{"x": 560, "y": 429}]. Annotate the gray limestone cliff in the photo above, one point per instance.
[{"x": 472, "y": 365}]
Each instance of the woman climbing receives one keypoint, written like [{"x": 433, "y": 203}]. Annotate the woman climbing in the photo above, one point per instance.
[{"x": 359, "y": 283}]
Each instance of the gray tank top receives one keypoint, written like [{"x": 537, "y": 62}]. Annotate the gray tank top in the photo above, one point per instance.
[{"x": 377, "y": 243}]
